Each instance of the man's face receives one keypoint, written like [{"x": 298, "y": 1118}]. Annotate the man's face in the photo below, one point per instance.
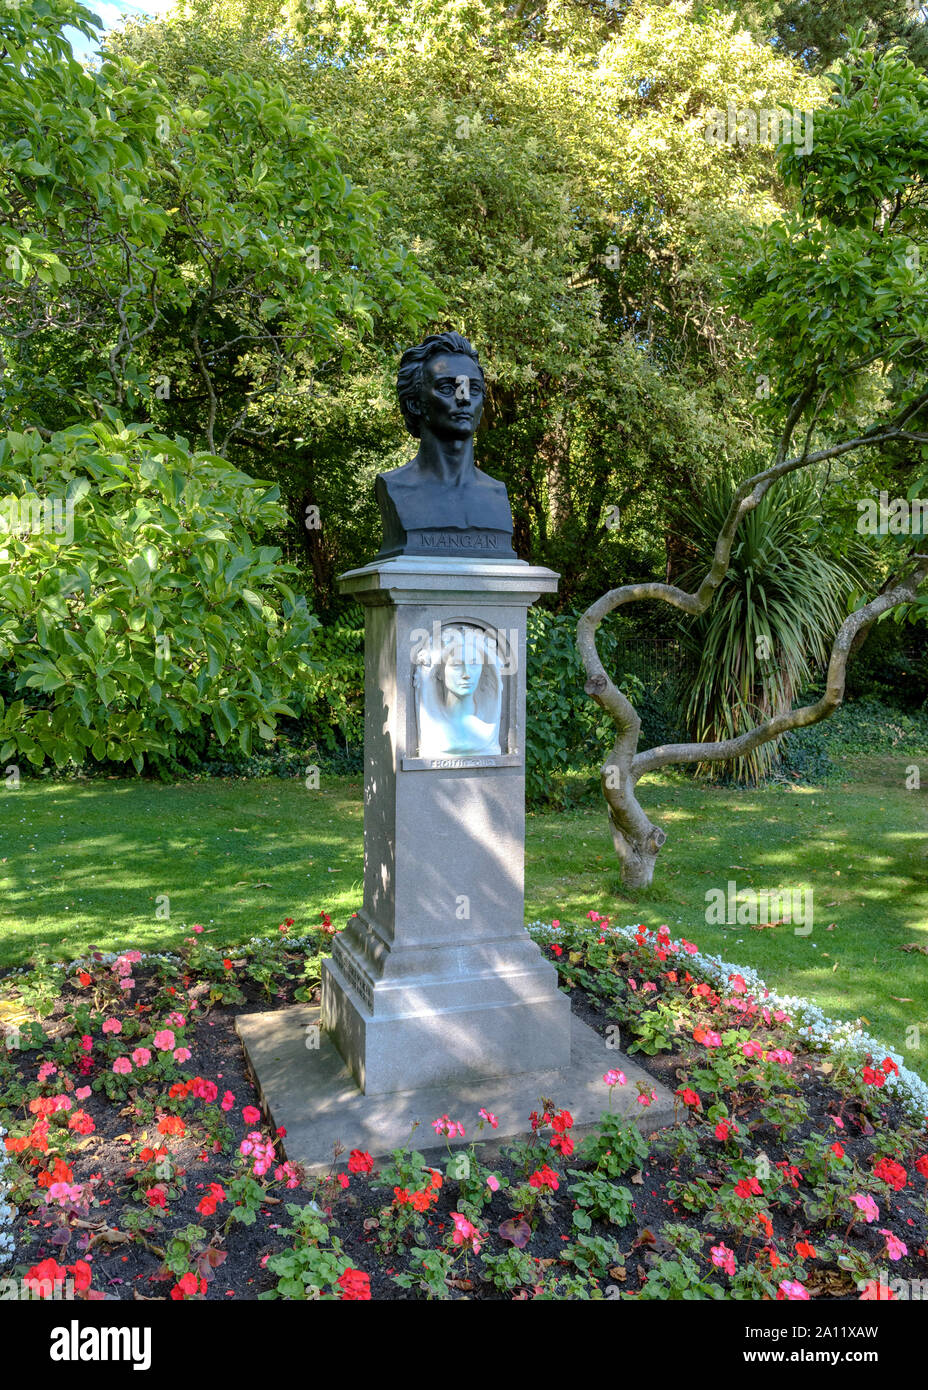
[{"x": 451, "y": 396}]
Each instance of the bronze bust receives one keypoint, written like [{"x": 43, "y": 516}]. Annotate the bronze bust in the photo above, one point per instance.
[{"x": 441, "y": 503}]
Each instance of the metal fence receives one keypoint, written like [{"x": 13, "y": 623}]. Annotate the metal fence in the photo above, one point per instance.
[{"x": 655, "y": 659}]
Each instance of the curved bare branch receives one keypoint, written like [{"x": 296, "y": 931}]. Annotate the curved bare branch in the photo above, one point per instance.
[{"x": 859, "y": 622}]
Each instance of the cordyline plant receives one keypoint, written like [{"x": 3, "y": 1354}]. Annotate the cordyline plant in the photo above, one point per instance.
[{"x": 837, "y": 298}]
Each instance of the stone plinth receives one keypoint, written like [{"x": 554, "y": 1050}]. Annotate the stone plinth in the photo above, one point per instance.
[
  {"x": 436, "y": 981},
  {"x": 306, "y": 1087}
]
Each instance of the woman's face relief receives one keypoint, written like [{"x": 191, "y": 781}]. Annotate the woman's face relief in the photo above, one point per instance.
[{"x": 462, "y": 664}]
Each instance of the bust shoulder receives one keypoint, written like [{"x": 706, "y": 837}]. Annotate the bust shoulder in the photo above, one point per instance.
[
  {"x": 491, "y": 484},
  {"x": 405, "y": 474},
  {"x": 411, "y": 475}
]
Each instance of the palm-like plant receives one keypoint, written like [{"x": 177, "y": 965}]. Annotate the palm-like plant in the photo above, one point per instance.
[{"x": 773, "y": 618}]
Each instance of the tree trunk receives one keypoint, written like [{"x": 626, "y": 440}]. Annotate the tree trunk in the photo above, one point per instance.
[{"x": 637, "y": 842}]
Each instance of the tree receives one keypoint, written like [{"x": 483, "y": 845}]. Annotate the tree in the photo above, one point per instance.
[
  {"x": 551, "y": 168},
  {"x": 206, "y": 253},
  {"x": 160, "y": 261},
  {"x": 837, "y": 297},
  {"x": 785, "y": 591},
  {"x": 816, "y": 35},
  {"x": 135, "y": 605}
]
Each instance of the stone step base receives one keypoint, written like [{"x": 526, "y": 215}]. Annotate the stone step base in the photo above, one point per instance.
[{"x": 309, "y": 1091}]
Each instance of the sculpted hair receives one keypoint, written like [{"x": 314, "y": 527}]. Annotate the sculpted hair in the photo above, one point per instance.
[
  {"x": 409, "y": 377},
  {"x": 474, "y": 643}
]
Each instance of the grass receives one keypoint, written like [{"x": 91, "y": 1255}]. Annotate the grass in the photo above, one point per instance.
[
  {"x": 861, "y": 846},
  {"x": 94, "y": 863}
]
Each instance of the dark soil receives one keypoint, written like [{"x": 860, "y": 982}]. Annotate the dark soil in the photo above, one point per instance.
[{"x": 130, "y": 1270}]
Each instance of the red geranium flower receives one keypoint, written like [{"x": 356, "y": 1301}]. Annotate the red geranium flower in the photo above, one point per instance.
[
  {"x": 891, "y": 1172},
  {"x": 188, "y": 1286},
  {"x": 748, "y": 1187},
  {"x": 355, "y": 1285},
  {"x": 545, "y": 1177}
]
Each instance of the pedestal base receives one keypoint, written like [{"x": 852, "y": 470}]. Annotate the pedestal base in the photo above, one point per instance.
[
  {"x": 432, "y": 1029},
  {"x": 311, "y": 1093}
]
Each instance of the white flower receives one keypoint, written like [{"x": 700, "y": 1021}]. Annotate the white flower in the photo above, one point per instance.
[{"x": 7, "y": 1244}]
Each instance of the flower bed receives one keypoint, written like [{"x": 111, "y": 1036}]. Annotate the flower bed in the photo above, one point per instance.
[{"x": 139, "y": 1166}]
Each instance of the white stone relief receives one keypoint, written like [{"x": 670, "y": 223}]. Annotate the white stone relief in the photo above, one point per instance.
[{"x": 459, "y": 693}]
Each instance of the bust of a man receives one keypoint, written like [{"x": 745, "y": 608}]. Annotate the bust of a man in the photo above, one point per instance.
[{"x": 441, "y": 503}]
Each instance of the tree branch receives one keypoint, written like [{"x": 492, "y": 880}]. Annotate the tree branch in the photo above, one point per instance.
[{"x": 858, "y": 624}]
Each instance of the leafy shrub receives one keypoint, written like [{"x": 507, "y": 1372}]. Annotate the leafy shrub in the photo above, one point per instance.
[
  {"x": 330, "y": 696},
  {"x": 870, "y": 726},
  {"x": 565, "y": 730},
  {"x": 144, "y": 608},
  {"x": 891, "y": 666},
  {"x": 326, "y": 729}
]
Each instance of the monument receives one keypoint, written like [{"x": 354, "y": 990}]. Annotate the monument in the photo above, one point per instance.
[
  {"x": 436, "y": 978},
  {"x": 435, "y": 997}
]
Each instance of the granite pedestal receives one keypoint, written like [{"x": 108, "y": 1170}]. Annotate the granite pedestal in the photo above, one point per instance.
[
  {"x": 436, "y": 980},
  {"x": 435, "y": 999}
]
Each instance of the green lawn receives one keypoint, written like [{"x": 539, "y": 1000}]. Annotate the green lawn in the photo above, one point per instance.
[{"x": 85, "y": 863}]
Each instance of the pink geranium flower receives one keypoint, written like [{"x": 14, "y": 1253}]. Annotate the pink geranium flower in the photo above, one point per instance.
[
  {"x": 865, "y": 1203},
  {"x": 122, "y": 1066},
  {"x": 62, "y": 1192},
  {"x": 790, "y": 1289},
  {"x": 141, "y": 1056},
  {"x": 465, "y": 1231},
  {"x": 112, "y": 1025},
  {"x": 723, "y": 1258},
  {"x": 445, "y": 1125},
  {"x": 876, "y": 1291},
  {"x": 164, "y": 1041},
  {"x": 895, "y": 1248}
]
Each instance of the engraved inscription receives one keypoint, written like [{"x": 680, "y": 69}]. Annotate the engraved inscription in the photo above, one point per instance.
[
  {"x": 461, "y": 762},
  {"x": 463, "y": 540},
  {"x": 348, "y": 968}
]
